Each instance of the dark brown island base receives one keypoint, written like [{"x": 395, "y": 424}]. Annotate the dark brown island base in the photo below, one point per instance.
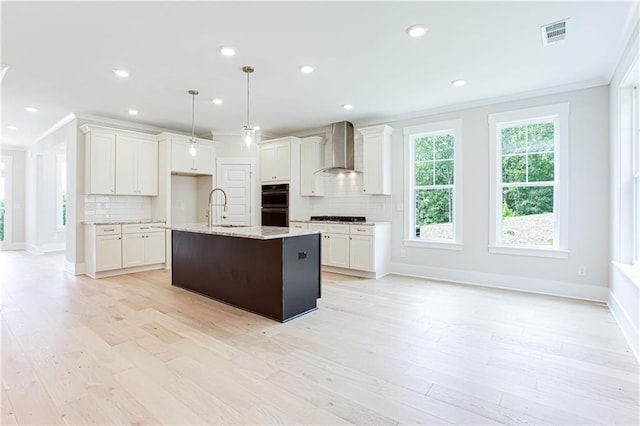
[{"x": 271, "y": 271}]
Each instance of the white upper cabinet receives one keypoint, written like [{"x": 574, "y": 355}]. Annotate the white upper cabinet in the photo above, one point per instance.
[
  {"x": 119, "y": 162},
  {"x": 182, "y": 162},
  {"x": 136, "y": 165},
  {"x": 311, "y": 160},
  {"x": 100, "y": 162},
  {"x": 275, "y": 160},
  {"x": 376, "y": 160}
]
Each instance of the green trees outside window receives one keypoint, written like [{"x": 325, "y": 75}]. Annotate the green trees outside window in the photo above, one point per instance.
[
  {"x": 434, "y": 180},
  {"x": 528, "y": 182}
]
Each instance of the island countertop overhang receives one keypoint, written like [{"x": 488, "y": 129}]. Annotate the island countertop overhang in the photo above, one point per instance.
[{"x": 255, "y": 232}]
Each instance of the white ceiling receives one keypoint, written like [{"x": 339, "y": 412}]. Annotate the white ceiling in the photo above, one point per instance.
[{"x": 60, "y": 57}]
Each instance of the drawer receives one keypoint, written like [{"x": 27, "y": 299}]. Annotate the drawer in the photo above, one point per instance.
[
  {"x": 362, "y": 230},
  {"x": 333, "y": 228},
  {"x": 108, "y": 229},
  {"x": 134, "y": 228},
  {"x": 298, "y": 225}
]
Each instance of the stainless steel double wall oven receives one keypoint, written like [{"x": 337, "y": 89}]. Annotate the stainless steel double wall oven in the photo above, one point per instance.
[{"x": 275, "y": 205}]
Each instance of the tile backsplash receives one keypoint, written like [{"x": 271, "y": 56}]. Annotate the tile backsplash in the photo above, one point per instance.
[
  {"x": 117, "y": 207},
  {"x": 343, "y": 196}
]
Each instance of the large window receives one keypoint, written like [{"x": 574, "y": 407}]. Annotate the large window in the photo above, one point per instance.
[
  {"x": 433, "y": 202},
  {"x": 528, "y": 190}
]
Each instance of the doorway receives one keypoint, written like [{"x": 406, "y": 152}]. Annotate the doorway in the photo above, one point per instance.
[
  {"x": 235, "y": 177},
  {"x": 6, "y": 177}
]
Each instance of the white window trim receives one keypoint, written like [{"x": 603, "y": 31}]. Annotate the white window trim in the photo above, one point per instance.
[
  {"x": 60, "y": 159},
  {"x": 454, "y": 126},
  {"x": 561, "y": 195},
  {"x": 636, "y": 172}
]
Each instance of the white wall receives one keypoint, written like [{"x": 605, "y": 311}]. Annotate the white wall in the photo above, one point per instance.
[
  {"x": 588, "y": 201},
  {"x": 42, "y": 234},
  {"x": 18, "y": 231},
  {"x": 624, "y": 277}
]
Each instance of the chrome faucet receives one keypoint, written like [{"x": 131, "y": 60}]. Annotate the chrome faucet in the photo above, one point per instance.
[{"x": 211, "y": 205}]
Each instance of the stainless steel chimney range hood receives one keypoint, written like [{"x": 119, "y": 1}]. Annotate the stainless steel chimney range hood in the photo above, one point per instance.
[{"x": 342, "y": 152}]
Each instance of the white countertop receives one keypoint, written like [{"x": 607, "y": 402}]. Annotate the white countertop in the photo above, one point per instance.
[
  {"x": 120, "y": 222},
  {"x": 256, "y": 232}
]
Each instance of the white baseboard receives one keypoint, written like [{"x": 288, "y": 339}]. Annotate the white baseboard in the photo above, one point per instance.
[
  {"x": 74, "y": 268},
  {"x": 630, "y": 332},
  {"x": 352, "y": 272},
  {"x": 32, "y": 249},
  {"x": 507, "y": 282},
  {"x": 13, "y": 246}
]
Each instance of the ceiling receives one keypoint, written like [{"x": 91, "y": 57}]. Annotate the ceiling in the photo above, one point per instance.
[{"x": 60, "y": 57}]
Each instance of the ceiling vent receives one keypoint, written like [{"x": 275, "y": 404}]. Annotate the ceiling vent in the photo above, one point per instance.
[{"x": 554, "y": 32}]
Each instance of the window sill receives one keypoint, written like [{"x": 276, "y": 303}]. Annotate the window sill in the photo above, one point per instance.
[
  {"x": 530, "y": 251},
  {"x": 442, "y": 245},
  {"x": 630, "y": 271}
]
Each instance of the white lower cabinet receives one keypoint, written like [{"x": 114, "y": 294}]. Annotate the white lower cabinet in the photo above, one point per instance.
[
  {"x": 113, "y": 249},
  {"x": 108, "y": 252},
  {"x": 142, "y": 245},
  {"x": 357, "y": 249}
]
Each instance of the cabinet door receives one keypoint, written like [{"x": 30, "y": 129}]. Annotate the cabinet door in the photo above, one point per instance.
[
  {"x": 324, "y": 249},
  {"x": 203, "y": 162},
  {"x": 338, "y": 250},
  {"x": 311, "y": 185},
  {"x": 126, "y": 165},
  {"x": 132, "y": 250},
  {"x": 102, "y": 163},
  {"x": 282, "y": 161},
  {"x": 181, "y": 160},
  {"x": 108, "y": 252},
  {"x": 372, "y": 164},
  {"x": 361, "y": 252},
  {"x": 154, "y": 248},
  {"x": 267, "y": 158},
  {"x": 147, "y": 167}
]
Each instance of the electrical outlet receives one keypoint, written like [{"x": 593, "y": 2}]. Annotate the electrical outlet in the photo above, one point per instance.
[
  {"x": 582, "y": 271},
  {"x": 403, "y": 253}
]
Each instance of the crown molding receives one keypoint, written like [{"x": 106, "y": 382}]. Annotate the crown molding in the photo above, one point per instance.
[
  {"x": 485, "y": 102},
  {"x": 57, "y": 126}
]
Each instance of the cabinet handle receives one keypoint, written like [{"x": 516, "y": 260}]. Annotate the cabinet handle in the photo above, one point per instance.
[
  {"x": 361, "y": 230},
  {"x": 110, "y": 229},
  {"x": 119, "y": 238},
  {"x": 144, "y": 227},
  {"x": 364, "y": 190}
]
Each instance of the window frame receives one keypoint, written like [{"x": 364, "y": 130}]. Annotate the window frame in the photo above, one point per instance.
[
  {"x": 559, "y": 114},
  {"x": 410, "y": 134},
  {"x": 635, "y": 108}
]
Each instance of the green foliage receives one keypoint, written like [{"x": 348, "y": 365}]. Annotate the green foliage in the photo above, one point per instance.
[
  {"x": 434, "y": 166},
  {"x": 1, "y": 220},
  {"x": 64, "y": 209},
  {"x": 528, "y": 156},
  {"x": 507, "y": 211},
  {"x": 434, "y": 206},
  {"x": 527, "y": 200}
]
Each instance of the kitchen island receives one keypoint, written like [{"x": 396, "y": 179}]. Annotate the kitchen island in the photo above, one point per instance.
[{"x": 271, "y": 271}]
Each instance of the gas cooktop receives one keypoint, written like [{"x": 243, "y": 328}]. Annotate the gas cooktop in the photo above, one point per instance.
[{"x": 338, "y": 219}]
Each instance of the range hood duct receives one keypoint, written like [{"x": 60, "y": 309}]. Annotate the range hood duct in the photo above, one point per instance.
[{"x": 342, "y": 155}]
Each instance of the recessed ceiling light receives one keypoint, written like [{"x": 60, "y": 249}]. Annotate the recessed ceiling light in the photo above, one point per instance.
[
  {"x": 31, "y": 109},
  {"x": 228, "y": 51},
  {"x": 121, "y": 73},
  {"x": 459, "y": 83},
  {"x": 133, "y": 112},
  {"x": 12, "y": 128},
  {"x": 217, "y": 101},
  {"x": 347, "y": 106},
  {"x": 416, "y": 30},
  {"x": 307, "y": 69}
]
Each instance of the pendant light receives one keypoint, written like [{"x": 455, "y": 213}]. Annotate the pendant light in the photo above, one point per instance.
[
  {"x": 192, "y": 148},
  {"x": 248, "y": 130}
]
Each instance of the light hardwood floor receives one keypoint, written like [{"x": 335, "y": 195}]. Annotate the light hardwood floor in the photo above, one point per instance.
[{"x": 134, "y": 349}]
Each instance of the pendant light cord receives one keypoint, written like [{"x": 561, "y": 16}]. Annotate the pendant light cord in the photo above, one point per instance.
[
  {"x": 193, "y": 116},
  {"x": 248, "y": 121}
]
